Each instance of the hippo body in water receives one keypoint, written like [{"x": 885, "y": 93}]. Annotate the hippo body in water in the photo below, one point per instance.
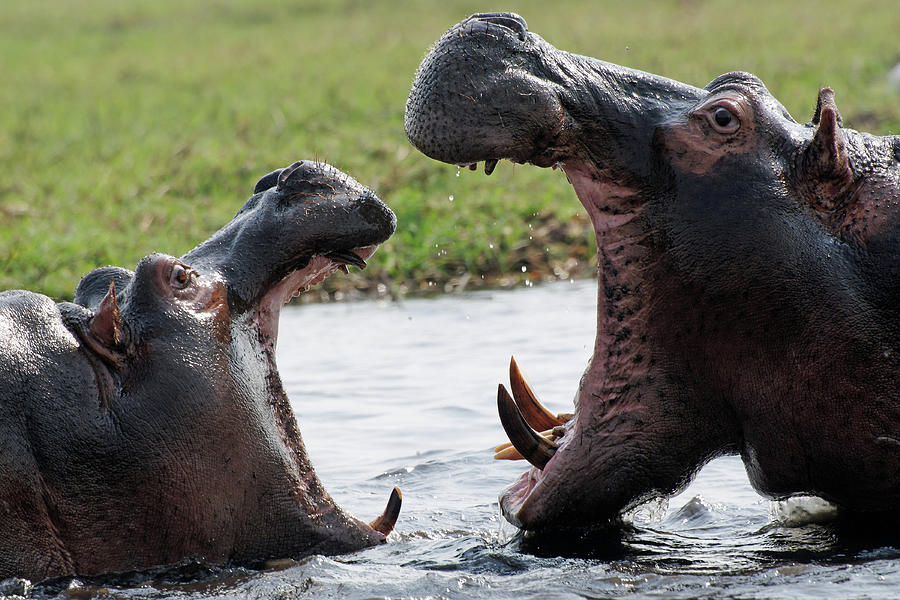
[
  {"x": 146, "y": 423},
  {"x": 749, "y": 276}
]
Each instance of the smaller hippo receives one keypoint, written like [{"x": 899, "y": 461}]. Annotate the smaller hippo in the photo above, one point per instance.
[
  {"x": 749, "y": 276},
  {"x": 146, "y": 423}
]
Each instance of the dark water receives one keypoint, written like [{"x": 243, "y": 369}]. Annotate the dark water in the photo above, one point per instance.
[{"x": 404, "y": 394}]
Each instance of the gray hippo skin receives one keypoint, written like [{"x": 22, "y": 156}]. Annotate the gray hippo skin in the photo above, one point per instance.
[
  {"x": 749, "y": 275},
  {"x": 147, "y": 423}
]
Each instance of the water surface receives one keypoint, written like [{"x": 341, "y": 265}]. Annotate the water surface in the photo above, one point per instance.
[{"x": 404, "y": 393}]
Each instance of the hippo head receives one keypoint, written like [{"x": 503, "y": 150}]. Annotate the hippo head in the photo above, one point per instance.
[
  {"x": 168, "y": 434},
  {"x": 749, "y": 270}
]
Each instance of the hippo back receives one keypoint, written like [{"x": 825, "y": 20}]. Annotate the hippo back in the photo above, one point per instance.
[{"x": 36, "y": 359}]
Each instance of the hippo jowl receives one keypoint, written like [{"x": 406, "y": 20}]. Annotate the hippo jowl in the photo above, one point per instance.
[
  {"x": 146, "y": 422},
  {"x": 749, "y": 275}
]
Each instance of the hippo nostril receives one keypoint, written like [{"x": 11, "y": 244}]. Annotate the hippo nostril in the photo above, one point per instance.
[
  {"x": 481, "y": 21},
  {"x": 287, "y": 172}
]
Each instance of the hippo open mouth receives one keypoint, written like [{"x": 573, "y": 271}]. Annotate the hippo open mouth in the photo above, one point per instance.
[
  {"x": 490, "y": 90},
  {"x": 731, "y": 241},
  {"x": 299, "y": 281},
  {"x": 323, "y": 221}
]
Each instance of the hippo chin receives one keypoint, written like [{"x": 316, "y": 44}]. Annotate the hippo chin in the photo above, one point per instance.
[
  {"x": 147, "y": 423},
  {"x": 749, "y": 276}
]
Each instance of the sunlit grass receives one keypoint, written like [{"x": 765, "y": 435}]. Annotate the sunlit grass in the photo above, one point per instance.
[{"x": 140, "y": 126}]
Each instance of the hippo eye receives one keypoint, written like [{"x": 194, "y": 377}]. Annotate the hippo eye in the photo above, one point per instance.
[
  {"x": 723, "y": 117},
  {"x": 180, "y": 277},
  {"x": 723, "y": 120}
]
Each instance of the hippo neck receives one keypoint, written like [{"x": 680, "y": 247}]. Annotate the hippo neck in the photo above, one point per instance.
[{"x": 619, "y": 358}]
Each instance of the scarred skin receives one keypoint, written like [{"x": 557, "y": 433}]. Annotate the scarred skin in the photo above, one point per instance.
[
  {"x": 147, "y": 423},
  {"x": 749, "y": 272}
]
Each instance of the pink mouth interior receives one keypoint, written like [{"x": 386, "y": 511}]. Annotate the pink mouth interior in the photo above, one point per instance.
[
  {"x": 294, "y": 284},
  {"x": 537, "y": 487}
]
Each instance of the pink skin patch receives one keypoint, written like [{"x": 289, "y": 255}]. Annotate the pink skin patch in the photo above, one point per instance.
[
  {"x": 297, "y": 282},
  {"x": 613, "y": 210}
]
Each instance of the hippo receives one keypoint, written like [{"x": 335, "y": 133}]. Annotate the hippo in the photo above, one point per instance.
[
  {"x": 748, "y": 267},
  {"x": 146, "y": 424}
]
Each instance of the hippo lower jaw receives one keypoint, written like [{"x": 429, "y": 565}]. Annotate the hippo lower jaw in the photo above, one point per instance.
[
  {"x": 267, "y": 316},
  {"x": 546, "y": 496}
]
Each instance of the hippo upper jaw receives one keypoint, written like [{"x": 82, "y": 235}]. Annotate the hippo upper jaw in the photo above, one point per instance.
[
  {"x": 491, "y": 90},
  {"x": 296, "y": 214}
]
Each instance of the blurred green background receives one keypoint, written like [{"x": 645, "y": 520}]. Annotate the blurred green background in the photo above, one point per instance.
[{"x": 141, "y": 126}]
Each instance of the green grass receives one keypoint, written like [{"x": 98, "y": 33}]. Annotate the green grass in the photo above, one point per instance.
[{"x": 141, "y": 126}]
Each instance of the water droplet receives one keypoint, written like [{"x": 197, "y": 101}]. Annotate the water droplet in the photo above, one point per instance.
[
  {"x": 457, "y": 170},
  {"x": 451, "y": 198},
  {"x": 490, "y": 245}
]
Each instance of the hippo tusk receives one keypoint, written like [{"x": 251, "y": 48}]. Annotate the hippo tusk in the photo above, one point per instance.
[
  {"x": 534, "y": 448},
  {"x": 547, "y": 434},
  {"x": 538, "y": 417},
  {"x": 489, "y": 166},
  {"x": 385, "y": 523}
]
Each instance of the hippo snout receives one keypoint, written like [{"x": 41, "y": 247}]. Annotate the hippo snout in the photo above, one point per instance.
[
  {"x": 373, "y": 211},
  {"x": 305, "y": 210}
]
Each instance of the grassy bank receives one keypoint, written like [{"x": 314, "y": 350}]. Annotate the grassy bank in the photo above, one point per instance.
[{"x": 133, "y": 127}]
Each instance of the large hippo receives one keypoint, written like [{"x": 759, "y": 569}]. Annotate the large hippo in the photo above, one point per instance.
[
  {"x": 146, "y": 423},
  {"x": 749, "y": 275}
]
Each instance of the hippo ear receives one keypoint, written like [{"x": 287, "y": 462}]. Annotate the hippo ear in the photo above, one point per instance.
[
  {"x": 267, "y": 181},
  {"x": 106, "y": 324},
  {"x": 825, "y": 161}
]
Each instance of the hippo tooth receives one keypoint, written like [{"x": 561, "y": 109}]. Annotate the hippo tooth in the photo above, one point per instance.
[
  {"x": 489, "y": 166},
  {"x": 385, "y": 523},
  {"x": 344, "y": 269},
  {"x": 532, "y": 410},
  {"x": 549, "y": 434},
  {"x": 508, "y": 452},
  {"x": 534, "y": 448},
  {"x": 346, "y": 257},
  {"x": 473, "y": 166}
]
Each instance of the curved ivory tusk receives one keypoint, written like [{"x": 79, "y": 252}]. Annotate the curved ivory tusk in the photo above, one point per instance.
[
  {"x": 534, "y": 448},
  {"x": 385, "y": 523},
  {"x": 549, "y": 434},
  {"x": 508, "y": 453},
  {"x": 534, "y": 413}
]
